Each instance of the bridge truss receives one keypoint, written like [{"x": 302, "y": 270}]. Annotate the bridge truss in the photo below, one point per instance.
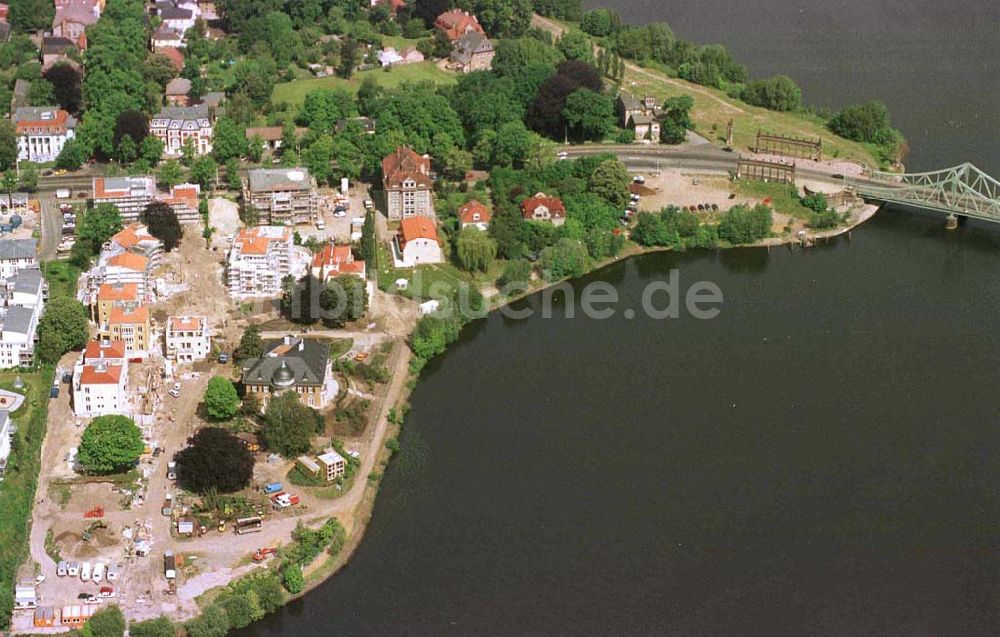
[{"x": 960, "y": 190}]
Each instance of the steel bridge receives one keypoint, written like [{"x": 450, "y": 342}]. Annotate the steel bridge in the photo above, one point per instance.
[{"x": 963, "y": 190}]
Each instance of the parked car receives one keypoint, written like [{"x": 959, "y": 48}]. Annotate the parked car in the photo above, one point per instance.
[
  {"x": 639, "y": 179},
  {"x": 106, "y": 592},
  {"x": 223, "y": 358},
  {"x": 175, "y": 391}
]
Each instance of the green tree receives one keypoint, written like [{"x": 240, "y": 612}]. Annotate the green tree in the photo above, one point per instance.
[
  {"x": 229, "y": 140},
  {"x": 204, "y": 171},
  {"x": 317, "y": 158},
  {"x": 476, "y": 249},
  {"x": 28, "y": 180},
  {"x": 292, "y": 579},
  {"x": 214, "y": 460},
  {"x": 861, "y": 122},
  {"x": 575, "y": 45},
  {"x": 348, "y": 57},
  {"x": 107, "y": 622},
  {"x": 110, "y": 444},
  {"x": 151, "y": 150},
  {"x": 161, "y": 220},
  {"x": 289, "y": 425},
  {"x": 589, "y": 115},
  {"x": 239, "y": 609},
  {"x": 8, "y": 145},
  {"x": 255, "y": 149},
  {"x": 515, "y": 272},
  {"x": 742, "y": 224},
  {"x": 221, "y": 400},
  {"x": 778, "y": 93},
  {"x": 567, "y": 258},
  {"x": 344, "y": 299},
  {"x": 600, "y": 22},
  {"x": 63, "y": 327},
  {"x": 610, "y": 182},
  {"x": 170, "y": 174},
  {"x": 159, "y": 627},
  {"x": 233, "y": 180},
  {"x": 72, "y": 155},
  {"x": 251, "y": 345},
  {"x": 212, "y": 622}
]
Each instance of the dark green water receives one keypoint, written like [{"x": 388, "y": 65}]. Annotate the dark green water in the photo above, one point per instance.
[{"x": 822, "y": 458}]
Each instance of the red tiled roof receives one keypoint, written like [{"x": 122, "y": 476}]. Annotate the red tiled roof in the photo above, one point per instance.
[
  {"x": 251, "y": 242},
  {"x": 418, "y": 227},
  {"x": 456, "y": 23},
  {"x": 468, "y": 213},
  {"x": 186, "y": 323},
  {"x": 56, "y": 125},
  {"x": 174, "y": 54},
  {"x": 129, "y": 260},
  {"x": 112, "y": 292},
  {"x": 405, "y": 164},
  {"x": 104, "y": 349},
  {"x": 120, "y": 315},
  {"x": 101, "y": 375},
  {"x": 554, "y": 204},
  {"x": 132, "y": 235},
  {"x": 339, "y": 259}
]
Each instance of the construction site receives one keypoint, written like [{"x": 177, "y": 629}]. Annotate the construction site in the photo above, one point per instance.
[{"x": 100, "y": 538}]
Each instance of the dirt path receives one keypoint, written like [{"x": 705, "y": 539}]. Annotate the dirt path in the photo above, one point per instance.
[{"x": 557, "y": 31}]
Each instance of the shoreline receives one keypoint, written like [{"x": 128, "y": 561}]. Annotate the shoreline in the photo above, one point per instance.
[{"x": 320, "y": 572}]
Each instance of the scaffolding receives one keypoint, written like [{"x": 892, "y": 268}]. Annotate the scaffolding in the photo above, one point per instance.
[
  {"x": 802, "y": 148},
  {"x": 765, "y": 170}
]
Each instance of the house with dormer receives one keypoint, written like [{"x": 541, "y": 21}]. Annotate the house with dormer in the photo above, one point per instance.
[
  {"x": 407, "y": 182},
  {"x": 174, "y": 125},
  {"x": 293, "y": 364}
]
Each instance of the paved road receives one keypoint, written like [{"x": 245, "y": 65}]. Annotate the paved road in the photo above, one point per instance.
[{"x": 51, "y": 225}]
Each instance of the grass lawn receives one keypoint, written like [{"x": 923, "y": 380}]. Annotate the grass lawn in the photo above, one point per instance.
[
  {"x": 436, "y": 281},
  {"x": 17, "y": 491},
  {"x": 62, "y": 276},
  {"x": 713, "y": 107},
  {"x": 294, "y": 93},
  {"x": 783, "y": 197}
]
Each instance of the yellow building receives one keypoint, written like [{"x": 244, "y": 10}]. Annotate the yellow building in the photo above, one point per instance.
[
  {"x": 114, "y": 295},
  {"x": 131, "y": 325}
]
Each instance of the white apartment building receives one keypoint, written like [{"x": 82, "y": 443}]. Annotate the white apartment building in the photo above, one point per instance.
[
  {"x": 173, "y": 125},
  {"x": 42, "y": 132},
  {"x": 258, "y": 260},
  {"x": 17, "y": 254},
  {"x": 130, "y": 195},
  {"x": 100, "y": 380},
  {"x": 188, "y": 338},
  {"x": 23, "y": 295}
]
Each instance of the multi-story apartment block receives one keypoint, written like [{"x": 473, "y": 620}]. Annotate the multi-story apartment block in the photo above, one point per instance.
[
  {"x": 130, "y": 195},
  {"x": 284, "y": 196},
  {"x": 111, "y": 295},
  {"x": 406, "y": 179},
  {"x": 258, "y": 260},
  {"x": 100, "y": 380},
  {"x": 130, "y": 325},
  {"x": 188, "y": 338},
  {"x": 42, "y": 132},
  {"x": 174, "y": 125}
]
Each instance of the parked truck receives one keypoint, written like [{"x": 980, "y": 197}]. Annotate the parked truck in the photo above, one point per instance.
[{"x": 169, "y": 566}]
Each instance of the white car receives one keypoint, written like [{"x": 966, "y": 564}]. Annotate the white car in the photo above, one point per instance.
[
  {"x": 562, "y": 155},
  {"x": 175, "y": 391}
]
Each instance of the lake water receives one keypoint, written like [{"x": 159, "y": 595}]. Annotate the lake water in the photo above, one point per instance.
[{"x": 822, "y": 458}]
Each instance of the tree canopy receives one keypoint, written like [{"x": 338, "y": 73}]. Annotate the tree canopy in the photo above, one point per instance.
[
  {"x": 289, "y": 426},
  {"x": 221, "y": 399},
  {"x": 161, "y": 220},
  {"x": 63, "y": 327},
  {"x": 110, "y": 444},
  {"x": 216, "y": 460}
]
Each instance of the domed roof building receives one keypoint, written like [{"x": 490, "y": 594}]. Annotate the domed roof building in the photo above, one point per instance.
[{"x": 293, "y": 364}]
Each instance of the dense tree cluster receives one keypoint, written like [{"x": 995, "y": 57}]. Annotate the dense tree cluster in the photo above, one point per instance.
[
  {"x": 161, "y": 220},
  {"x": 289, "y": 426},
  {"x": 110, "y": 444},
  {"x": 215, "y": 460},
  {"x": 63, "y": 327},
  {"x": 674, "y": 228},
  {"x": 743, "y": 224}
]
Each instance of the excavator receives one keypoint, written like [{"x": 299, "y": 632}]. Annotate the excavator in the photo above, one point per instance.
[{"x": 93, "y": 526}]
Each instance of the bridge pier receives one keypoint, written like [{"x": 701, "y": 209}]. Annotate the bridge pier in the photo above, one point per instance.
[{"x": 951, "y": 223}]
